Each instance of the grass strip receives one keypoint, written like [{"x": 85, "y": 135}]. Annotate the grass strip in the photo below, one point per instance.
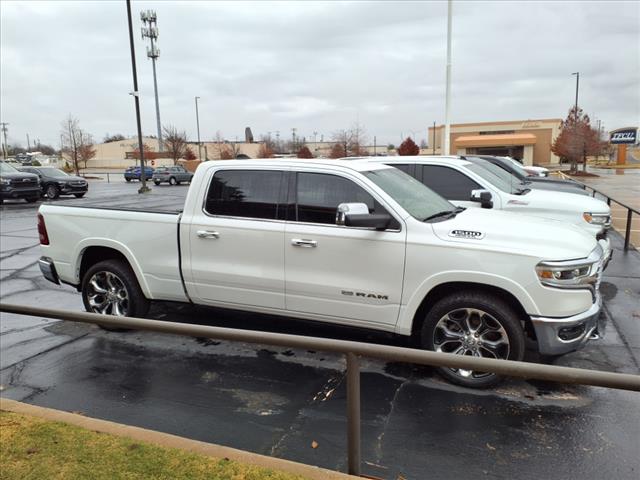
[{"x": 33, "y": 448}]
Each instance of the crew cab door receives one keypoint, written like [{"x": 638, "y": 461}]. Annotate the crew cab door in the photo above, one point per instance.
[
  {"x": 236, "y": 239},
  {"x": 338, "y": 271}
]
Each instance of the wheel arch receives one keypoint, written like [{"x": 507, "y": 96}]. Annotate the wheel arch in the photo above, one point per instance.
[
  {"x": 445, "y": 289},
  {"x": 92, "y": 254}
]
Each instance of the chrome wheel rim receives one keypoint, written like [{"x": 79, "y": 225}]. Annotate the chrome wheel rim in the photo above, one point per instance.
[
  {"x": 107, "y": 295},
  {"x": 472, "y": 332}
]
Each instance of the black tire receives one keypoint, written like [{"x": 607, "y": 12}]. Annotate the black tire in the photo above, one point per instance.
[
  {"x": 78, "y": 195},
  {"x": 177, "y": 182},
  {"x": 134, "y": 305},
  {"x": 127, "y": 180},
  {"x": 156, "y": 182},
  {"x": 484, "y": 312},
  {"x": 52, "y": 191},
  {"x": 32, "y": 199},
  {"x": 173, "y": 181}
]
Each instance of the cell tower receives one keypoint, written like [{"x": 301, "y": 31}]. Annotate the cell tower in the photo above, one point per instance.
[{"x": 150, "y": 31}]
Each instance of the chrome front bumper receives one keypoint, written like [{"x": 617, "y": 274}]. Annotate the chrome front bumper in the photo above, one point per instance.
[{"x": 557, "y": 336}]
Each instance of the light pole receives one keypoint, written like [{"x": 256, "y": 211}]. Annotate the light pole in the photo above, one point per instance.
[
  {"x": 447, "y": 108},
  {"x": 143, "y": 178},
  {"x": 5, "y": 147},
  {"x": 151, "y": 32},
  {"x": 577, "y": 74},
  {"x": 434, "y": 137},
  {"x": 198, "y": 128}
]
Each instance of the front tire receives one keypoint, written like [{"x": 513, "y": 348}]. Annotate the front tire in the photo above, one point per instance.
[
  {"x": 52, "y": 191},
  {"x": 127, "y": 180},
  {"x": 110, "y": 288},
  {"x": 473, "y": 324},
  {"x": 78, "y": 195},
  {"x": 156, "y": 182},
  {"x": 173, "y": 181}
]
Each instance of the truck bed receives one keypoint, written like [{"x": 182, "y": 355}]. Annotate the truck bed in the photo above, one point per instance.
[{"x": 147, "y": 203}]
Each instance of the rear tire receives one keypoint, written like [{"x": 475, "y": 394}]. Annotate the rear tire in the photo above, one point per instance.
[
  {"x": 473, "y": 324},
  {"x": 156, "y": 182},
  {"x": 127, "y": 180},
  {"x": 173, "y": 181},
  {"x": 111, "y": 288},
  {"x": 78, "y": 195}
]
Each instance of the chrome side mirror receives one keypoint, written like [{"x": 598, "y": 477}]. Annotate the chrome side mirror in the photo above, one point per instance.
[{"x": 351, "y": 209}]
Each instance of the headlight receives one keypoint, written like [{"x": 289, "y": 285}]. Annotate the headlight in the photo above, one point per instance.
[
  {"x": 597, "y": 218},
  {"x": 572, "y": 274}
]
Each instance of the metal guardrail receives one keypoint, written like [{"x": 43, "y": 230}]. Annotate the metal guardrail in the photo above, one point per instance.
[
  {"x": 90, "y": 174},
  {"x": 630, "y": 210},
  {"x": 352, "y": 351}
]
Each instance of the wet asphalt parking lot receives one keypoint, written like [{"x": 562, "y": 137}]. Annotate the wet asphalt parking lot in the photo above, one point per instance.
[{"x": 279, "y": 401}]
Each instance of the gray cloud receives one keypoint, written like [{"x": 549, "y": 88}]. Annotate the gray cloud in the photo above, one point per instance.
[{"x": 316, "y": 66}]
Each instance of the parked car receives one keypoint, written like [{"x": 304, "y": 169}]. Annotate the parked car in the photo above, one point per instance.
[
  {"x": 532, "y": 170},
  {"x": 474, "y": 184},
  {"x": 133, "y": 173},
  {"x": 172, "y": 175},
  {"x": 54, "y": 182},
  {"x": 17, "y": 184},
  {"x": 514, "y": 167},
  {"x": 347, "y": 242}
]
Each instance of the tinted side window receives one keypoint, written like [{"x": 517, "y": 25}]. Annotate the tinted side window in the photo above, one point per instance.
[
  {"x": 320, "y": 194},
  {"x": 450, "y": 183},
  {"x": 406, "y": 168},
  {"x": 245, "y": 193}
]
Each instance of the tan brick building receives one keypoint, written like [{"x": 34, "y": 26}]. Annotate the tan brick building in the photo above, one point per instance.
[{"x": 526, "y": 140}]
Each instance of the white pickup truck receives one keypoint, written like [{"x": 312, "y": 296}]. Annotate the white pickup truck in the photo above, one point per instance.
[
  {"x": 469, "y": 182},
  {"x": 348, "y": 242}
]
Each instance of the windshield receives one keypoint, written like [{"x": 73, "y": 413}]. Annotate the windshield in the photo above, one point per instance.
[
  {"x": 518, "y": 166},
  {"x": 53, "y": 172},
  {"x": 420, "y": 201},
  {"x": 498, "y": 177},
  {"x": 6, "y": 168}
]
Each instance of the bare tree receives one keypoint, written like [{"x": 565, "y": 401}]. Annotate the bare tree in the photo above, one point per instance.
[
  {"x": 77, "y": 144},
  {"x": 86, "y": 151},
  {"x": 226, "y": 150},
  {"x": 351, "y": 141},
  {"x": 175, "y": 142}
]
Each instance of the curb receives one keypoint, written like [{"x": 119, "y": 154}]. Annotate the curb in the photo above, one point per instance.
[{"x": 173, "y": 441}]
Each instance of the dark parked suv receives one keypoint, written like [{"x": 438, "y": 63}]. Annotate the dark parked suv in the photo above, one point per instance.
[
  {"x": 17, "y": 184},
  {"x": 55, "y": 182}
]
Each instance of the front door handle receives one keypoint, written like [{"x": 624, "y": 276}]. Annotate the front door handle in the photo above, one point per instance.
[
  {"x": 300, "y": 242},
  {"x": 207, "y": 234}
]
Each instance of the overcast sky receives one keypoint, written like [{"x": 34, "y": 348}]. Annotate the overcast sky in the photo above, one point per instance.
[{"x": 315, "y": 66}]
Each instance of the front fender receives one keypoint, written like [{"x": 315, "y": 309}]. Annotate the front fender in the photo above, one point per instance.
[{"x": 408, "y": 310}]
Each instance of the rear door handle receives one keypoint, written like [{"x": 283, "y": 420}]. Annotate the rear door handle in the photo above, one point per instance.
[
  {"x": 207, "y": 234},
  {"x": 300, "y": 242}
]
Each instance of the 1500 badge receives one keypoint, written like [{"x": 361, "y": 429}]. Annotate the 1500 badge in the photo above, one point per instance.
[{"x": 466, "y": 234}]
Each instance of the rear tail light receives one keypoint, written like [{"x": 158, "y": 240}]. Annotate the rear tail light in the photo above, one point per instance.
[{"x": 42, "y": 231}]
